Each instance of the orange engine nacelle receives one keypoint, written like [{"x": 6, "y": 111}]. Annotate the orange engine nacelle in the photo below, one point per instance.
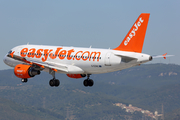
[
  {"x": 76, "y": 75},
  {"x": 25, "y": 71}
]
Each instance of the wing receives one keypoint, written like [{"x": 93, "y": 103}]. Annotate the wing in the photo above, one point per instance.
[{"x": 57, "y": 67}]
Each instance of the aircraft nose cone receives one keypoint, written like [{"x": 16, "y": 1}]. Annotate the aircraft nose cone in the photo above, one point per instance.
[{"x": 4, "y": 59}]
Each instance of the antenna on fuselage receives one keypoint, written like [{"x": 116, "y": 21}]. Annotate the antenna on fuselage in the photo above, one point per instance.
[
  {"x": 28, "y": 43},
  {"x": 90, "y": 46}
]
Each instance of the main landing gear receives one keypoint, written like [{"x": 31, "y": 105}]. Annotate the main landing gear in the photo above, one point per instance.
[
  {"x": 53, "y": 82},
  {"x": 88, "y": 82}
]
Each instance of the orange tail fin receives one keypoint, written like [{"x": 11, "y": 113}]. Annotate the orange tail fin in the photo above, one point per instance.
[{"x": 133, "y": 42}]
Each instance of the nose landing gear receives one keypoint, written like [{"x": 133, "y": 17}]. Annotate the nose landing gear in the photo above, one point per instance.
[
  {"x": 88, "y": 82},
  {"x": 24, "y": 80}
]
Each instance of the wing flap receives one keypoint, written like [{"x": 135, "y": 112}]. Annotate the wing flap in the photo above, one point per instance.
[{"x": 50, "y": 65}]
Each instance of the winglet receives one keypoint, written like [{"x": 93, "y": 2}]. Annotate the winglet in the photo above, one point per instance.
[{"x": 133, "y": 42}]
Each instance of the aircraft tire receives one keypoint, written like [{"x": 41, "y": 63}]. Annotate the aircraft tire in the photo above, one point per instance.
[
  {"x": 90, "y": 82},
  {"x": 51, "y": 83},
  {"x": 57, "y": 82},
  {"x": 86, "y": 82},
  {"x": 24, "y": 80}
]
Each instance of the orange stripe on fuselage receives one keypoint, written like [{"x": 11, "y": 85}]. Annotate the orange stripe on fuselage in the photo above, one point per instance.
[{"x": 59, "y": 52}]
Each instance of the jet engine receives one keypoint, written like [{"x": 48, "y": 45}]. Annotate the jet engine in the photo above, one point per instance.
[
  {"x": 76, "y": 75},
  {"x": 25, "y": 71}
]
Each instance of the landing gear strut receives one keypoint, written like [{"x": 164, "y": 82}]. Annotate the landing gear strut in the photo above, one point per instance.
[
  {"x": 53, "y": 82},
  {"x": 88, "y": 82}
]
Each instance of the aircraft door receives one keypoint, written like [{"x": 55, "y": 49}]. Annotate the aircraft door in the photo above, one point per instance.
[
  {"x": 19, "y": 51},
  {"x": 107, "y": 59}
]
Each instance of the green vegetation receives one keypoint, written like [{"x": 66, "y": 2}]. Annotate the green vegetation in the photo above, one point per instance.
[
  {"x": 146, "y": 86},
  {"x": 13, "y": 111}
]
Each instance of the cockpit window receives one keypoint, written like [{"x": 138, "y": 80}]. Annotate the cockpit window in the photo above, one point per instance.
[{"x": 10, "y": 52}]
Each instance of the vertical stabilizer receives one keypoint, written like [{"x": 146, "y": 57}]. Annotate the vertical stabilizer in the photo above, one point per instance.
[{"x": 133, "y": 42}]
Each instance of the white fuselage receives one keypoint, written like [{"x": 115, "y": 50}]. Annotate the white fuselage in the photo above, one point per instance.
[{"x": 76, "y": 60}]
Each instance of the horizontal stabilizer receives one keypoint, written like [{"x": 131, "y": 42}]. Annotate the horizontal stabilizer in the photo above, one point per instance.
[{"x": 162, "y": 56}]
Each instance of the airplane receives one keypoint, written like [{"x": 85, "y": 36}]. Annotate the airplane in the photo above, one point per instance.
[{"x": 77, "y": 62}]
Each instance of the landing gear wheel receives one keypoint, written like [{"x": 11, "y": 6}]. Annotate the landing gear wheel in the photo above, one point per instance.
[
  {"x": 86, "y": 83},
  {"x": 90, "y": 83},
  {"x": 24, "y": 80},
  {"x": 54, "y": 82},
  {"x": 51, "y": 83},
  {"x": 57, "y": 82}
]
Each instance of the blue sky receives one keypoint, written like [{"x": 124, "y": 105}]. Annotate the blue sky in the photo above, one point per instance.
[{"x": 96, "y": 23}]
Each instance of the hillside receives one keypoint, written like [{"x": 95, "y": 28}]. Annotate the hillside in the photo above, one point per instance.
[
  {"x": 13, "y": 111},
  {"x": 174, "y": 115},
  {"x": 147, "y": 76},
  {"x": 60, "y": 102},
  {"x": 147, "y": 86}
]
